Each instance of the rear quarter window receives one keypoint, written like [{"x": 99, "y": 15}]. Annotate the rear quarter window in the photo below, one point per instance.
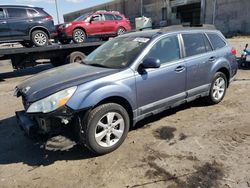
[
  {"x": 117, "y": 17},
  {"x": 216, "y": 40}
]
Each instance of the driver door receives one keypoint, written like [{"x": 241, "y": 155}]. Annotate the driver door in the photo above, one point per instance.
[
  {"x": 162, "y": 87},
  {"x": 96, "y": 25}
]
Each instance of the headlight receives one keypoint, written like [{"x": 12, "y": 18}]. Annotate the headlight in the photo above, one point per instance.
[
  {"x": 52, "y": 102},
  {"x": 67, "y": 25}
]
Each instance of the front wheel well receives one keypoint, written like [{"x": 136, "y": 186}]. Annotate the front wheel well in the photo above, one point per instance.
[
  {"x": 39, "y": 28},
  {"x": 226, "y": 72},
  {"x": 121, "y": 101},
  {"x": 81, "y": 29}
]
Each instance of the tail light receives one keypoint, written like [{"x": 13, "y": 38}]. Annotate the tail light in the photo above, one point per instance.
[
  {"x": 234, "y": 52},
  {"x": 48, "y": 18}
]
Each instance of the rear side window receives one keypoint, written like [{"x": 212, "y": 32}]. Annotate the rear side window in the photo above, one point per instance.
[
  {"x": 32, "y": 13},
  {"x": 216, "y": 41},
  {"x": 1, "y": 13},
  {"x": 166, "y": 50},
  {"x": 194, "y": 44},
  {"x": 17, "y": 13},
  {"x": 109, "y": 17}
]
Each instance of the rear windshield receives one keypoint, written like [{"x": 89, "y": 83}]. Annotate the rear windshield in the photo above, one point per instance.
[
  {"x": 117, "y": 53},
  {"x": 216, "y": 40}
]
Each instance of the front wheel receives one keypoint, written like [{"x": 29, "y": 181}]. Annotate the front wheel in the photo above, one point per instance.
[
  {"x": 106, "y": 128},
  {"x": 79, "y": 36},
  {"x": 218, "y": 89}
]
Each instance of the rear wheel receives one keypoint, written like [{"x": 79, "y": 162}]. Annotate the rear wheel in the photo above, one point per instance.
[
  {"x": 79, "y": 36},
  {"x": 106, "y": 128},
  {"x": 121, "y": 30},
  {"x": 39, "y": 38},
  {"x": 218, "y": 89},
  {"x": 76, "y": 57}
]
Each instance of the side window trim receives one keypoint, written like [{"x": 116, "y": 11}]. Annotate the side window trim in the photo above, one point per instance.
[{"x": 209, "y": 42}]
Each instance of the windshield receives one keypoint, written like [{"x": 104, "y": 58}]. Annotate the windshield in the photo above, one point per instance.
[
  {"x": 117, "y": 53},
  {"x": 82, "y": 17}
]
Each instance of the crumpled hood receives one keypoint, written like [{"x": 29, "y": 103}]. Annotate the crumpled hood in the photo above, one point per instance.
[{"x": 56, "y": 79}]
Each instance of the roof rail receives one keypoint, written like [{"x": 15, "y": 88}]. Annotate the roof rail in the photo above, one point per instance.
[
  {"x": 110, "y": 11},
  {"x": 189, "y": 26}
]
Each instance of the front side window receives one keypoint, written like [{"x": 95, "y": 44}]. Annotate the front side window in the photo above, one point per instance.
[
  {"x": 166, "y": 50},
  {"x": 82, "y": 17},
  {"x": 17, "y": 13},
  {"x": 1, "y": 13},
  {"x": 109, "y": 17},
  {"x": 216, "y": 41},
  {"x": 117, "y": 53},
  {"x": 194, "y": 44},
  {"x": 96, "y": 17}
]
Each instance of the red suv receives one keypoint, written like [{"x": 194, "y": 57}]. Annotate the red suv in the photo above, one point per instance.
[{"x": 101, "y": 24}]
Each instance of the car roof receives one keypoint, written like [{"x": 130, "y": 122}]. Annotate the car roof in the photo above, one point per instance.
[
  {"x": 19, "y": 6},
  {"x": 170, "y": 29}
]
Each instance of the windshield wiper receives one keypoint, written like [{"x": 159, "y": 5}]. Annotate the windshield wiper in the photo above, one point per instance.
[{"x": 98, "y": 65}]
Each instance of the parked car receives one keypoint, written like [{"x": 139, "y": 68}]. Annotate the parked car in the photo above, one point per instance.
[
  {"x": 25, "y": 24},
  {"x": 102, "y": 24},
  {"x": 128, "y": 78}
]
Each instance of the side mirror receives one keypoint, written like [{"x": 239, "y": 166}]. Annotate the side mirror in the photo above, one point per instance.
[{"x": 151, "y": 63}]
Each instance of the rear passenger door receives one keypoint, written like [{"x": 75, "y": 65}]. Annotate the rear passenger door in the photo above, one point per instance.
[
  {"x": 164, "y": 86},
  {"x": 4, "y": 29},
  {"x": 110, "y": 23},
  {"x": 18, "y": 22},
  {"x": 199, "y": 59}
]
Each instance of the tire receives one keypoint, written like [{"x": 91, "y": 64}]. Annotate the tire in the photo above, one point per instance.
[
  {"x": 120, "y": 31},
  {"x": 79, "y": 36},
  {"x": 98, "y": 129},
  {"x": 65, "y": 41},
  {"x": 76, "y": 57},
  {"x": 217, "y": 93},
  {"x": 27, "y": 44},
  {"x": 39, "y": 38}
]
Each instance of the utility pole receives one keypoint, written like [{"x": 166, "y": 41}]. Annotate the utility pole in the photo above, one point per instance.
[
  {"x": 57, "y": 13},
  {"x": 141, "y": 8}
]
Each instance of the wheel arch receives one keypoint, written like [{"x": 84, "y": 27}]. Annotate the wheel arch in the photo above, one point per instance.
[
  {"x": 225, "y": 71},
  {"x": 39, "y": 28},
  {"x": 121, "y": 101},
  {"x": 80, "y": 27}
]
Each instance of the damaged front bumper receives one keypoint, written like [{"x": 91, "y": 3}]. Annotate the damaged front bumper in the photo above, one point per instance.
[
  {"x": 28, "y": 125},
  {"x": 59, "y": 136}
]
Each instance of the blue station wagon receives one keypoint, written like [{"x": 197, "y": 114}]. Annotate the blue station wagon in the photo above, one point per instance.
[{"x": 128, "y": 78}]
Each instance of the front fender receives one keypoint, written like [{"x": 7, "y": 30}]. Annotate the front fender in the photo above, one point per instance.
[{"x": 89, "y": 98}]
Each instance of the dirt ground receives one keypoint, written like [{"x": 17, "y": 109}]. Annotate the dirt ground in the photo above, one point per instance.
[{"x": 190, "y": 146}]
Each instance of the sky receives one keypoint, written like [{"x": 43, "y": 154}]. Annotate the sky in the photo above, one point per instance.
[{"x": 64, "y": 6}]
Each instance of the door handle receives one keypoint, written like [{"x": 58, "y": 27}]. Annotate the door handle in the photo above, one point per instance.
[
  {"x": 30, "y": 20},
  {"x": 212, "y": 59},
  {"x": 3, "y": 22},
  {"x": 180, "y": 69}
]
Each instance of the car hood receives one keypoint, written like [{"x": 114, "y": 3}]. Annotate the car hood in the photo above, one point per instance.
[{"x": 56, "y": 79}]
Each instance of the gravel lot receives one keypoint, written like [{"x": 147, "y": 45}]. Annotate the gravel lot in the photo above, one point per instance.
[{"x": 190, "y": 146}]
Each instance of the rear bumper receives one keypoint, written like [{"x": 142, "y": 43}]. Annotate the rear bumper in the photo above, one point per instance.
[{"x": 29, "y": 126}]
